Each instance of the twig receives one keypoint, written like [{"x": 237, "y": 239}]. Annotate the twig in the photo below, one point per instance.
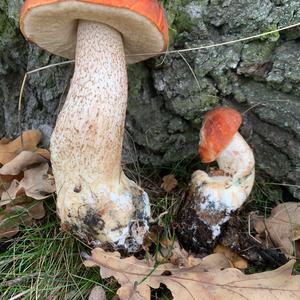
[
  {"x": 192, "y": 71},
  {"x": 19, "y": 296},
  {"x": 220, "y": 44},
  {"x": 159, "y": 217},
  {"x": 18, "y": 280},
  {"x": 263, "y": 103},
  {"x": 249, "y": 230}
]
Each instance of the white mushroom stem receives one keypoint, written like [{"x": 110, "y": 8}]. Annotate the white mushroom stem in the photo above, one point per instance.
[
  {"x": 218, "y": 196},
  {"x": 95, "y": 199},
  {"x": 237, "y": 160}
]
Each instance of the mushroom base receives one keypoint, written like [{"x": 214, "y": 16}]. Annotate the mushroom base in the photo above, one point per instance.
[
  {"x": 199, "y": 222},
  {"x": 193, "y": 233},
  {"x": 113, "y": 220}
]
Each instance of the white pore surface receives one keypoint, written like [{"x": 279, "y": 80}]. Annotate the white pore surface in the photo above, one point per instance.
[{"x": 54, "y": 28}]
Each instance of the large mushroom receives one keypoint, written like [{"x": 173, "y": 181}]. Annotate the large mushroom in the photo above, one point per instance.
[
  {"x": 213, "y": 197},
  {"x": 95, "y": 199}
]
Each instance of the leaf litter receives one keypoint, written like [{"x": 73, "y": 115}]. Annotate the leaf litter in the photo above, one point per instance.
[
  {"x": 209, "y": 278},
  {"x": 282, "y": 229},
  {"x": 236, "y": 260},
  {"x": 27, "y": 141},
  {"x": 25, "y": 177},
  {"x": 169, "y": 183}
]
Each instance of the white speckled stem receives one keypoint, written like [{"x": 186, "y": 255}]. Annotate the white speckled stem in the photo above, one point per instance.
[
  {"x": 86, "y": 143},
  {"x": 237, "y": 160},
  {"x": 87, "y": 139}
]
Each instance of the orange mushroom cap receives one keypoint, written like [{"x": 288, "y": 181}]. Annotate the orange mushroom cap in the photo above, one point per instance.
[
  {"x": 219, "y": 127},
  {"x": 52, "y": 24}
]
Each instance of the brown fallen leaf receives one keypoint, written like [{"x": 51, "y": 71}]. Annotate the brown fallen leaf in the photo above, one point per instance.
[
  {"x": 22, "y": 214},
  {"x": 173, "y": 253},
  {"x": 43, "y": 152},
  {"x": 169, "y": 249},
  {"x": 21, "y": 162},
  {"x": 97, "y": 293},
  {"x": 138, "y": 293},
  {"x": 281, "y": 229},
  {"x": 169, "y": 183},
  {"x": 151, "y": 237},
  {"x": 203, "y": 281},
  {"x": 3, "y": 186},
  {"x": 236, "y": 260},
  {"x": 10, "y": 150},
  {"x": 8, "y": 224},
  {"x": 37, "y": 184},
  {"x": 4, "y": 141},
  {"x": 36, "y": 211},
  {"x": 24, "y": 176}
]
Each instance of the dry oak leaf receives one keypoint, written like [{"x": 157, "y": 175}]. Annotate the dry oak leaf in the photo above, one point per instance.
[
  {"x": 202, "y": 281},
  {"x": 169, "y": 183},
  {"x": 97, "y": 293},
  {"x": 4, "y": 141},
  {"x": 236, "y": 260},
  {"x": 282, "y": 228},
  {"x": 173, "y": 253},
  {"x": 130, "y": 271},
  {"x": 21, "y": 214},
  {"x": 37, "y": 184},
  {"x": 27, "y": 141},
  {"x": 22, "y": 161}
]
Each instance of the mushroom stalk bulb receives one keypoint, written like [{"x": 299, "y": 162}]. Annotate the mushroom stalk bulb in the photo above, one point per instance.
[
  {"x": 95, "y": 199},
  {"x": 213, "y": 197}
]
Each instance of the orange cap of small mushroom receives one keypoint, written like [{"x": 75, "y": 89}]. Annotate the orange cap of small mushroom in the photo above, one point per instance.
[
  {"x": 219, "y": 127},
  {"x": 52, "y": 24}
]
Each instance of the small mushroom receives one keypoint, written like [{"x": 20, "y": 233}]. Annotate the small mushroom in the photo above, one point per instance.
[
  {"x": 213, "y": 197},
  {"x": 95, "y": 199}
]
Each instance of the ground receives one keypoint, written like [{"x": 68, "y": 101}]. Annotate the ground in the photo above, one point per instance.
[{"x": 42, "y": 262}]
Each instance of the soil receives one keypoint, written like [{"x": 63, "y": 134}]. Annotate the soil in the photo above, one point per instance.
[{"x": 235, "y": 235}]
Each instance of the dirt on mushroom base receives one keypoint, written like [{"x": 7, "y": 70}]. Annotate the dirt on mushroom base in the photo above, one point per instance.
[
  {"x": 90, "y": 225},
  {"x": 235, "y": 235}
]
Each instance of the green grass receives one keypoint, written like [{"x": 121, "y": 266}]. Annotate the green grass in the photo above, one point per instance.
[
  {"x": 264, "y": 198},
  {"x": 44, "y": 263},
  {"x": 297, "y": 268}
]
